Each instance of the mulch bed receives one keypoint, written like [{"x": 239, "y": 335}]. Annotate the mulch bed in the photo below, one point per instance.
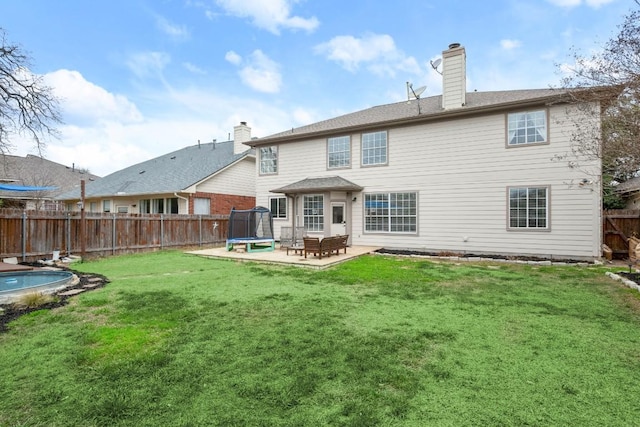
[
  {"x": 470, "y": 255},
  {"x": 86, "y": 282}
]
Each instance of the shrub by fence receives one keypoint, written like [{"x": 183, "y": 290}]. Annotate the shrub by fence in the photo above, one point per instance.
[{"x": 31, "y": 235}]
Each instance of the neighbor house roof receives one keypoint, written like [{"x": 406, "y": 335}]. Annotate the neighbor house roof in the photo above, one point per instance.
[
  {"x": 169, "y": 173},
  {"x": 630, "y": 186},
  {"x": 423, "y": 109},
  {"x": 307, "y": 185},
  {"x": 52, "y": 178}
]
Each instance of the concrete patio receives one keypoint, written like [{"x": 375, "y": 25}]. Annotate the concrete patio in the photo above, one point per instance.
[{"x": 279, "y": 256}]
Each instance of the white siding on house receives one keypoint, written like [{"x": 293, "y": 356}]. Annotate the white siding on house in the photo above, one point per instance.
[
  {"x": 461, "y": 170},
  {"x": 238, "y": 179}
]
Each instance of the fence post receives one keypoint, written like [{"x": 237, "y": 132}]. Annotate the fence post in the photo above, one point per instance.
[
  {"x": 68, "y": 234},
  {"x": 113, "y": 235},
  {"x": 24, "y": 236},
  {"x": 199, "y": 230},
  {"x": 161, "y": 231}
]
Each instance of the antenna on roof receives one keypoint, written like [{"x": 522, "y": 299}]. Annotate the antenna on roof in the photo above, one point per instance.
[
  {"x": 435, "y": 64},
  {"x": 414, "y": 94}
]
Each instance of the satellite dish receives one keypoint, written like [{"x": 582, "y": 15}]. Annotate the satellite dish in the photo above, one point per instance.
[
  {"x": 419, "y": 91},
  {"x": 435, "y": 64}
]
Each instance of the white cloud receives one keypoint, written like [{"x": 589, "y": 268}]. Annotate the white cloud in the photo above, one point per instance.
[
  {"x": 147, "y": 64},
  {"x": 270, "y": 15},
  {"x": 258, "y": 72},
  {"x": 510, "y": 44},
  {"x": 233, "y": 58},
  {"x": 377, "y": 51},
  {"x": 83, "y": 101},
  {"x": 105, "y": 132},
  {"x": 193, "y": 68},
  {"x": 172, "y": 30}
]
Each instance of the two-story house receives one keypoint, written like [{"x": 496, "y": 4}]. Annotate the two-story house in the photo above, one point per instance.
[{"x": 463, "y": 172}]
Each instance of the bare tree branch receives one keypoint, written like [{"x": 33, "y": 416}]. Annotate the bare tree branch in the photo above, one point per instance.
[
  {"x": 610, "y": 80},
  {"x": 27, "y": 106}
]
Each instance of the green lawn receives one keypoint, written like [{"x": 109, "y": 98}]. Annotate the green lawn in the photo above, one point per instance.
[{"x": 177, "y": 340}]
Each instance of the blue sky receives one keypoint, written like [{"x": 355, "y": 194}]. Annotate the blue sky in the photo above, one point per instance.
[{"x": 141, "y": 78}]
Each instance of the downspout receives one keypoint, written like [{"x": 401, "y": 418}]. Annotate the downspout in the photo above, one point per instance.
[{"x": 183, "y": 198}]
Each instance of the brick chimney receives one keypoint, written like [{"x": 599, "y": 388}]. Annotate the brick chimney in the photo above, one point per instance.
[
  {"x": 241, "y": 133},
  {"x": 454, "y": 77}
]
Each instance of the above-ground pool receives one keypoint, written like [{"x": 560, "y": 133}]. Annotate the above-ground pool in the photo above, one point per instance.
[{"x": 16, "y": 283}]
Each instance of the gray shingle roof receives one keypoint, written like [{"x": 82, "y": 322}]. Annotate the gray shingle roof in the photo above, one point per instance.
[
  {"x": 38, "y": 172},
  {"x": 405, "y": 112},
  {"x": 172, "y": 172},
  {"x": 306, "y": 185}
]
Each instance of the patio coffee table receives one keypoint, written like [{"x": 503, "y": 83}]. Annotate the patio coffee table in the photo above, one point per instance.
[{"x": 297, "y": 249}]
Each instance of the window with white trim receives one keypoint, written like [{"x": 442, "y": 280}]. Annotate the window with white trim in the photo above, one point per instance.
[
  {"x": 106, "y": 206},
  {"x": 374, "y": 148},
  {"x": 201, "y": 206},
  {"x": 527, "y": 127},
  {"x": 278, "y": 207},
  {"x": 339, "y": 152},
  {"x": 313, "y": 212},
  {"x": 529, "y": 208},
  {"x": 268, "y": 160},
  {"x": 391, "y": 212}
]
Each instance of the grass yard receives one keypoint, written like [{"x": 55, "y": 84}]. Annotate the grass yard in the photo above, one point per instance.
[{"x": 177, "y": 340}]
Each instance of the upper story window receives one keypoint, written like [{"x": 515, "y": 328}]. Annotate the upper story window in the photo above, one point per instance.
[
  {"x": 268, "y": 160},
  {"x": 374, "y": 148},
  {"x": 339, "y": 152},
  {"x": 106, "y": 206},
  {"x": 527, "y": 127},
  {"x": 529, "y": 208}
]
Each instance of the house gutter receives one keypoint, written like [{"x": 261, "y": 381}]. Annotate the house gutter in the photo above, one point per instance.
[{"x": 183, "y": 198}]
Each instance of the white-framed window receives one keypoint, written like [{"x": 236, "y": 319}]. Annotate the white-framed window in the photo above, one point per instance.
[
  {"x": 106, "y": 206},
  {"x": 338, "y": 152},
  {"x": 122, "y": 209},
  {"x": 313, "y": 212},
  {"x": 528, "y": 208},
  {"x": 144, "y": 206},
  {"x": 278, "y": 207},
  {"x": 201, "y": 206},
  {"x": 374, "y": 148},
  {"x": 391, "y": 212},
  {"x": 268, "y": 160},
  {"x": 527, "y": 127}
]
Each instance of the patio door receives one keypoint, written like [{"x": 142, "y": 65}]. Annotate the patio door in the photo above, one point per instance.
[{"x": 338, "y": 218}]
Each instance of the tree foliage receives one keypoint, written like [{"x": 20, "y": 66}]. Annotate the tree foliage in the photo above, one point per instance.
[{"x": 27, "y": 106}]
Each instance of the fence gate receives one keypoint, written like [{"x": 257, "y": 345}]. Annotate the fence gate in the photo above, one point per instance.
[{"x": 618, "y": 226}]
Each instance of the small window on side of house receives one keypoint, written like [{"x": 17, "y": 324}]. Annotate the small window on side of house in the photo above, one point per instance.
[
  {"x": 278, "y": 207},
  {"x": 374, "y": 148},
  {"x": 338, "y": 152},
  {"x": 268, "y": 160}
]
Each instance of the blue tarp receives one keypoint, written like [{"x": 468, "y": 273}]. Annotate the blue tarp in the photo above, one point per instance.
[{"x": 7, "y": 187}]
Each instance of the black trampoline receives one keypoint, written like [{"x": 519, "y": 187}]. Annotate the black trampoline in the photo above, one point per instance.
[{"x": 252, "y": 228}]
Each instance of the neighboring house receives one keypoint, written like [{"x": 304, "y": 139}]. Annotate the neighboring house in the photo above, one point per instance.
[
  {"x": 202, "y": 179},
  {"x": 34, "y": 171},
  {"x": 630, "y": 192},
  {"x": 459, "y": 173}
]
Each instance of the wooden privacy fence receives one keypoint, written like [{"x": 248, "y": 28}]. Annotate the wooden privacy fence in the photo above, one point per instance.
[
  {"x": 618, "y": 226},
  {"x": 31, "y": 235}
]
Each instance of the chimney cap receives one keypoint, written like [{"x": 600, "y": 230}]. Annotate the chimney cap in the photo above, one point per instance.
[
  {"x": 243, "y": 123},
  {"x": 454, "y": 45}
]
